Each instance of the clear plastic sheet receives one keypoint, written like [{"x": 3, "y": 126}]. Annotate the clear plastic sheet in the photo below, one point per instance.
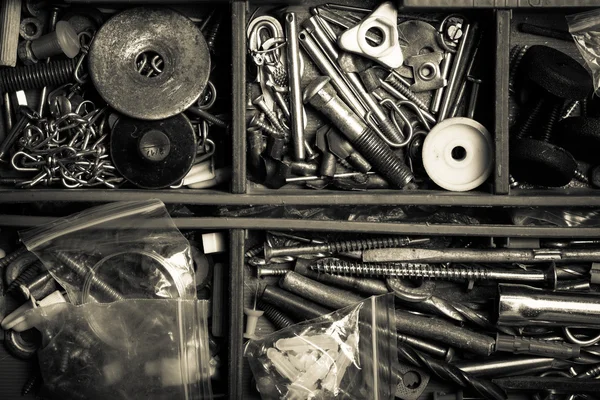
[
  {"x": 131, "y": 349},
  {"x": 585, "y": 29},
  {"x": 116, "y": 251},
  {"x": 348, "y": 354},
  {"x": 556, "y": 217}
]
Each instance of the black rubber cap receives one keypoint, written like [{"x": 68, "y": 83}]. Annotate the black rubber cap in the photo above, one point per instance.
[
  {"x": 541, "y": 163},
  {"x": 581, "y": 137},
  {"x": 556, "y": 72}
]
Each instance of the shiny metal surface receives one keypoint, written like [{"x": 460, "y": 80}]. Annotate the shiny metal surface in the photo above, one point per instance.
[{"x": 296, "y": 107}]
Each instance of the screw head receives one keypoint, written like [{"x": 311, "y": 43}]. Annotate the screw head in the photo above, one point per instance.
[
  {"x": 319, "y": 92},
  {"x": 454, "y": 32}
]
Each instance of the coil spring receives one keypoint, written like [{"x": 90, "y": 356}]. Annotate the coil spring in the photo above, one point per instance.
[{"x": 54, "y": 73}]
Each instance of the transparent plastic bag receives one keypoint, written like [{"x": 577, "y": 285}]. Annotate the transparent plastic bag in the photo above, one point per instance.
[
  {"x": 116, "y": 251},
  {"x": 348, "y": 354},
  {"x": 556, "y": 217},
  {"x": 585, "y": 29},
  {"x": 131, "y": 349}
]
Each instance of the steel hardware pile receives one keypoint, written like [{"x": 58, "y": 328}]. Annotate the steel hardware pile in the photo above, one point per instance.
[
  {"x": 495, "y": 321},
  {"x": 94, "y": 97},
  {"x": 392, "y": 97}
]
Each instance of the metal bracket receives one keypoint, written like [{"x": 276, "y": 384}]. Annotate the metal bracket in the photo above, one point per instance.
[{"x": 426, "y": 71}]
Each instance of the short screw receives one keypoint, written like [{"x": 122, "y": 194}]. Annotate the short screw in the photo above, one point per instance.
[
  {"x": 262, "y": 272},
  {"x": 257, "y": 122},
  {"x": 31, "y": 382},
  {"x": 262, "y": 105},
  {"x": 339, "y": 246},
  {"x": 278, "y": 318},
  {"x": 410, "y": 270},
  {"x": 255, "y": 251},
  {"x": 580, "y": 176}
]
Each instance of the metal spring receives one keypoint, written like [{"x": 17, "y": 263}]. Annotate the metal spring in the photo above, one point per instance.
[
  {"x": 279, "y": 319},
  {"x": 25, "y": 277},
  {"x": 35, "y": 76}
]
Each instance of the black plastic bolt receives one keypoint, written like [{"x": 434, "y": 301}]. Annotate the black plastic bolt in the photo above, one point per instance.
[
  {"x": 278, "y": 318},
  {"x": 54, "y": 73}
]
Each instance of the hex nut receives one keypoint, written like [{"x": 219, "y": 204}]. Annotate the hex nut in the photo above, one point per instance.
[
  {"x": 26, "y": 54},
  {"x": 30, "y": 29}
]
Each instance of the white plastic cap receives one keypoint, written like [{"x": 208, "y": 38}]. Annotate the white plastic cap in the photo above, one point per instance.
[{"x": 213, "y": 243}]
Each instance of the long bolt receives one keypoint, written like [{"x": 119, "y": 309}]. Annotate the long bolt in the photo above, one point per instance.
[
  {"x": 271, "y": 116},
  {"x": 324, "y": 98},
  {"x": 83, "y": 270},
  {"x": 408, "y": 270},
  {"x": 394, "y": 82},
  {"x": 292, "y": 304},
  {"x": 279, "y": 319},
  {"x": 343, "y": 246}
]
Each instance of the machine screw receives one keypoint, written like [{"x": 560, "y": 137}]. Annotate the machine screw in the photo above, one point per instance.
[
  {"x": 83, "y": 270},
  {"x": 262, "y": 105},
  {"x": 410, "y": 270},
  {"x": 262, "y": 272},
  {"x": 279, "y": 319},
  {"x": 54, "y": 73},
  {"x": 321, "y": 95},
  {"x": 344, "y": 246},
  {"x": 258, "y": 122}
]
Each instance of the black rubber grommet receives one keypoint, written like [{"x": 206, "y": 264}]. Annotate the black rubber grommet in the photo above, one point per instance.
[
  {"x": 22, "y": 345},
  {"x": 541, "y": 163},
  {"x": 581, "y": 137},
  {"x": 556, "y": 72}
]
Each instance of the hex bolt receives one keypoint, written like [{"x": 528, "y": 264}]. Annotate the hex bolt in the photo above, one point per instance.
[
  {"x": 257, "y": 122},
  {"x": 431, "y": 271},
  {"x": 271, "y": 116},
  {"x": 324, "y": 98},
  {"x": 278, "y": 318},
  {"x": 63, "y": 40},
  {"x": 83, "y": 270},
  {"x": 343, "y": 246}
]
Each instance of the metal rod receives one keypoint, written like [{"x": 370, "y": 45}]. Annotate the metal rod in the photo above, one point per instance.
[
  {"x": 481, "y": 255},
  {"x": 7, "y": 112},
  {"x": 296, "y": 109},
  {"x": 437, "y": 97},
  {"x": 511, "y": 366},
  {"x": 454, "y": 75}
]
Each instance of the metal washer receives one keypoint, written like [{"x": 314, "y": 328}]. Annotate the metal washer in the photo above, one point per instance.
[
  {"x": 185, "y": 68},
  {"x": 152, "y": 161}
]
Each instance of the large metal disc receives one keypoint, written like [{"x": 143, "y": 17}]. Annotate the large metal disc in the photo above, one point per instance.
[{"x": 126, "y": 40}]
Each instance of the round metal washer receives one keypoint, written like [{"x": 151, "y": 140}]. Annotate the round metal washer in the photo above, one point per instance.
[
  {"x": 116, "y": 51},
  {"x": 153, "y": 154}
]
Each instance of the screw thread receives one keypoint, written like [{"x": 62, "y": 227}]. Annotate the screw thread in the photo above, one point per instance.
[
  {"x": 4, "y": 261},
  {"x": 366, "y": 244},
  {"x": 278, "y": 318},
  {"x": 271, "y": 116},
  {"x": 269, "y": 129},
  {"x": 54, "y": 73},
  {"x": 584, "y": 107},
  {"x": 515, "y": 61},
  {"x": 31, "y": 382},
  {"x": 83, "y": 270},
  {"x": 531, "y": 118},
  {"x": 25, "y": 277},
  {"x": 513, "y": 182},
  {"x": 211, "y": 35},
  {"x": 406, "y": 270},
  {"x": 570, "y": 109},
  {"x": 253, "y": 252},
  {"x": 377, "y": 152},
  {"x": 260, "y": 272},
  {"x": 208, "y": 117},
  {"x": 591, "y": 373},
  {"x": 388, "y": 128},
  {"x": 551, "y": 122},
  {"x": 409, "y": 94},
  {"x": 580, "y": 176},
  {"x": 346, "y": 164}
]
